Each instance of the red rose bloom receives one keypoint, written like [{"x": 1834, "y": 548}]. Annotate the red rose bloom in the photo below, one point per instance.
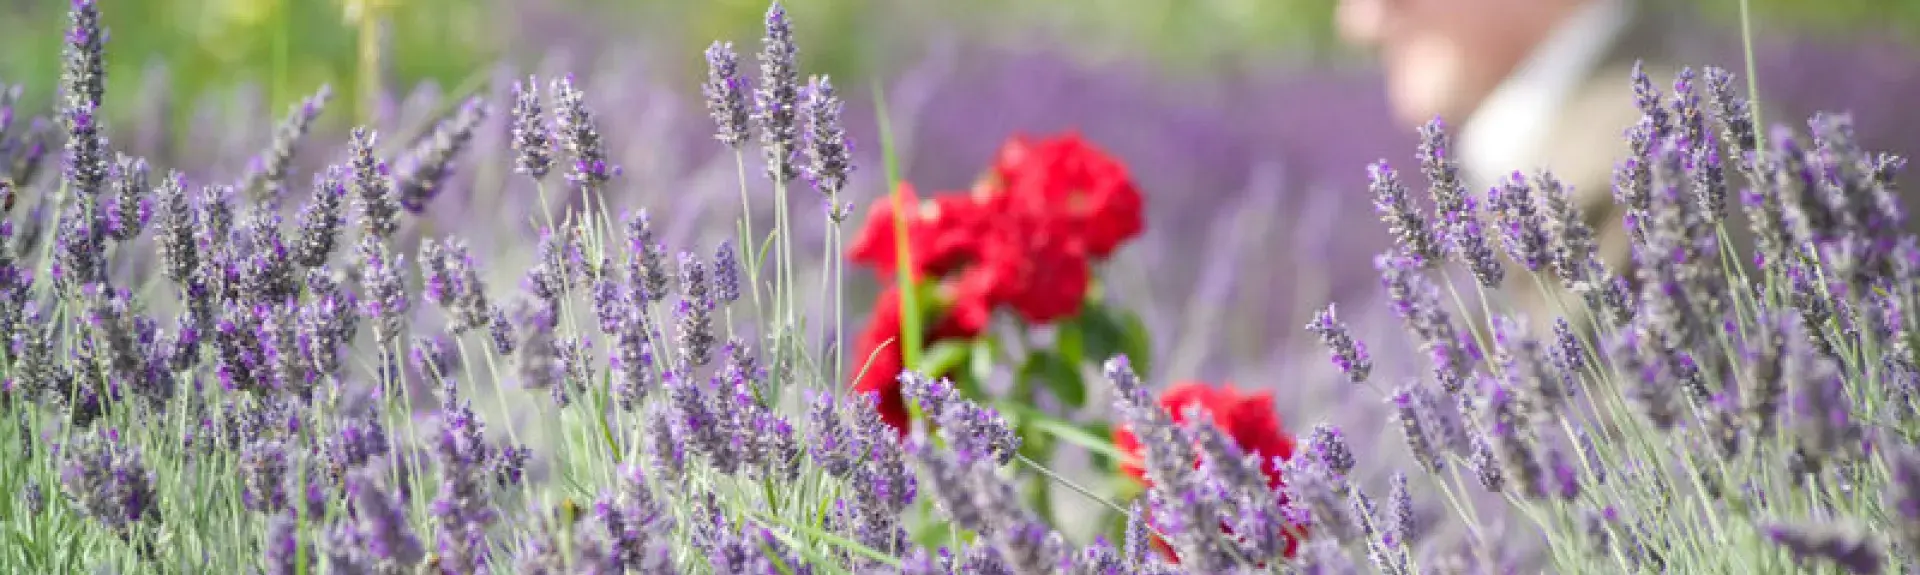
[
  {"x": 1075, "y": 183},
  {"x": 1050, "y": 272},
  {"x": 1248, "y": 418},
  {"x": 943, "y": 233}
]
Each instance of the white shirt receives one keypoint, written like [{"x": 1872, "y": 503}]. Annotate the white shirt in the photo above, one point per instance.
[{"x": 1507, "y": 130}]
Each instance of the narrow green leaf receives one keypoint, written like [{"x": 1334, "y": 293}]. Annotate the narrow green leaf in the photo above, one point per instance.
[
  {"x": 1071, "y": 342},
  {"x": 980, "y": 366},
  {"x": 1138, "y": 344},
  {"x": 829, "y": 538},
  {"x": 1063, "y": 430},
  {"x": 943, "y": 358}
]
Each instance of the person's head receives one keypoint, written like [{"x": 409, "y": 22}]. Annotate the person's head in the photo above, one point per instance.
[{"x": 1441, "y": 57}]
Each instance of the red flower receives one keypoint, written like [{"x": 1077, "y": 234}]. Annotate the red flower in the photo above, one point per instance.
[
  {"x": 1023, "y": 238},
  {"x": 943, "y": 232},
  {"x": 1028, "y": 264},
  {"x": 1087, "y": 191},
  {"x": 1248, "y": 418}
]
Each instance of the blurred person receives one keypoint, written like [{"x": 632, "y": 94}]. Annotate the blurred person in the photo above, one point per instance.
[{"x": 1525, "y": 85}]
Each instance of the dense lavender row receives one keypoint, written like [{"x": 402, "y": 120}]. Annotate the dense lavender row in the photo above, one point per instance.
[{"x": 209, "y": 372}]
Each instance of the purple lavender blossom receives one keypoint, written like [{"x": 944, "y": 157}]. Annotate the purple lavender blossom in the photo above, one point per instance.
[
  {"x": 463, "y": 509},
  {"x": 282, "y": 549},
  {"x": 1416, "y": 426},
  {"x": 386, "y": 297},
  {"x": 1321, "y": 492},
  {"x": 532, "y": 139},
  {"x": 376, "y": 538},
  {"x": 1507, "y": 427},
  {"x": 319, "y": 220},
  {"x": 726, "y": 94},
  {"x": 555, "y": 546},
  {"x": 426, "y": 166},
  {"x": 264, "y": 475},
  {"x": 968, "y": 427},
  {"x": 179, "y": 256},
  {"x": 828, "y": 151},
  {"x": 83, "y": 79},
  {"x": 695, "y": 312},
  {"x": 266, "y": 178},
  {"x": 131, "y": 208},
  {"x": 576, "y": 132},
  {"x": 633, "y": 359},
  {"x": 1327, "y": 445},
  {"x": 646, "y": 260},
  {"x": 1412, "y": 234},
  {"x": 637, "y": 523},
  {"x": 1523, "y": 229},
  {"x": 777, "y": 98},
  {"x": 1348, "y": 354},
  {"x": 726, "y": 273},
  {"x": 1416, "y": 301},
  {"x": 108, "y": 481},
  {"x": 372, "y": 185},
  {"x": 453, "y": 283}
]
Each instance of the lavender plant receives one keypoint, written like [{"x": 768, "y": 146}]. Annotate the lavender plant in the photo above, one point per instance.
[{"x": 300, "y": 398}]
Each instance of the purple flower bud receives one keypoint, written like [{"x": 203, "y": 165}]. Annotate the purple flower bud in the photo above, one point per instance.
[
  {"x": 372, "y": 185},
  {"x": 532, "y": 139},
  {"x": 1412, "y": 234},
  {"x": 576, "y": 132},
  {"x": 266, "y": 181},
  {"x": 426, "y": 166},
  {"x": 726, "y": 94},
  {"x": 1347, "y": 354},
  {"x": 777, "y": 98}
]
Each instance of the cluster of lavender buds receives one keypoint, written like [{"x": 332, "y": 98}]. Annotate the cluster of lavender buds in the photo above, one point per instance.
[
  {"x": 966, "y": 426},
  {"x": 1349, "y": 355},
  {"x": 266, "y": 178},
  {"x": 1219, "y": 516},
  {"x": 425, "y": 167},
  {"x": 107, "y": 481},
  {"x": 848, "y": 440},
  {"x": 453, "y": 283},
  {"x": 726, "y": 419}
]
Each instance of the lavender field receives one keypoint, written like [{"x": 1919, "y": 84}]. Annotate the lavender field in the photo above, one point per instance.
[{"x": 993, "y": 310}]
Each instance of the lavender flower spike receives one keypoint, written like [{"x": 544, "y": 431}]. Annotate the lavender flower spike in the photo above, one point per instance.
[
  {"x": 428, "y": 164},
  {"x": 131, "y": 209},
  {"x": 726, "y": 95},
  {"x": 577, "y": 133},
  {"x": 1523, "y": 229},
  {"x": 829, "y": 154},
  {"x": 1411, "y": 231},
  {"x": 696, "y": 312},
  {"x": 179, "y": 257},
  {"x": 726, "y": 273},
  {"x": 320, "y": 219},
  {"x": 266, "y": 179},
  {"x": 1348, "y": 354},
  {"x": 107, "y": 481},
  {"x": 777, "y": 99},
  {"x": 372, "y": 187},
  {"x": 83, "y": 80},
  {"x": 532, "y": 140}
]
